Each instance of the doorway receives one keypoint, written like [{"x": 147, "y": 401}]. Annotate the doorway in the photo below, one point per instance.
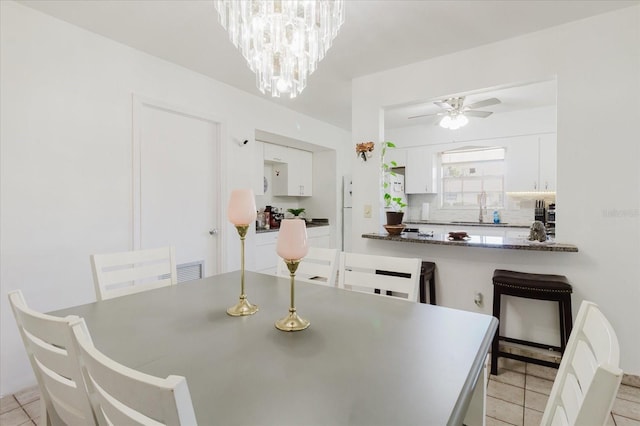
[{"x": 176, "y": 183}]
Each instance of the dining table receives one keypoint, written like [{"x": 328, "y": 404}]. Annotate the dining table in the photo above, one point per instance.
[{"x": 366, "y": 359}]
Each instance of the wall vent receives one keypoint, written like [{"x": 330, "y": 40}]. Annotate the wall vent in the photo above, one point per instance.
[{"x": 189, "y": 271}]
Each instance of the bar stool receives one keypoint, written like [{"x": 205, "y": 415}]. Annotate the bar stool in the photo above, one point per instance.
[{"x": 531, "y": 286}]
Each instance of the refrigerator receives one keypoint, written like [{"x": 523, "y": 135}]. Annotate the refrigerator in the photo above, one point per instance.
[
  {"x": 346, "y": 212},
  {"x": 396, "y": 188}
]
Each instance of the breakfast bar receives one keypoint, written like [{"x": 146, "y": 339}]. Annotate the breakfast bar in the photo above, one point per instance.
[{"x": 484, "y": 241}]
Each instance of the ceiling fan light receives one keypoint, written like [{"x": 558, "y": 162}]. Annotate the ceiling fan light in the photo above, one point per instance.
[
  {"x": 454, "y": 122},
  {"x": 446, "y": 122}
]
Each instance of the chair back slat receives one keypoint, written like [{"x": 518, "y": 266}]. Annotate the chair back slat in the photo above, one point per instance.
[
  {"x": 51, "y": 351},
  {"x": 119, "y": 274},
  {"x": 125, "y": 396},
  {"x": 319, "y": 266},
  {"x": 588, "y": 377},
  {"x": 363, "y": 272},
  {"x": 52, "y": 357}
]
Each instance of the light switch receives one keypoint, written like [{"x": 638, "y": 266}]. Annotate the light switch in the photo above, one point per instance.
[{"x": 367, "y": 210}]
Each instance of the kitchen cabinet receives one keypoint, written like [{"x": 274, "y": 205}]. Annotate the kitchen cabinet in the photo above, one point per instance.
[
  {"x": 295, "y": 176},
  {"x": 548, "y": 160},
  {"x": 531, "y": 164},
  {"x": 319, "y": 237},
  {"x": 420, "y": 171},
  {"x": 265, "y": 247},
  {"x": 265, "y": 252},
  {"x": 276, "y": 153}
]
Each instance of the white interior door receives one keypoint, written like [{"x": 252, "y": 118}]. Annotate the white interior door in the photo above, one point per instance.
[{"x": 176, "y": 188}]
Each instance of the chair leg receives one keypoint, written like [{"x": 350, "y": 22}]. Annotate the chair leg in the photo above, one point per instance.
[{"x": 495, "y": 346}]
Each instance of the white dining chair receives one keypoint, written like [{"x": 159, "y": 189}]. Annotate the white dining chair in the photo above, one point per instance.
[
  {"x": 366, "y": 273},
  {"x": 51, "y": 351},
  {"x": 319, "y": 266},
  {"x": 588, "y": 378},
  {"x": 120, "y": 274},
  {"x": 124, "y": 396}
]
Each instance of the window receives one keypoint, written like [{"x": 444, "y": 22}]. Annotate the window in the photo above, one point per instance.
[{"x": 470, "y": 174}]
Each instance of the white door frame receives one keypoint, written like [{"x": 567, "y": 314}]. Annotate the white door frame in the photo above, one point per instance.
[{"x": 139, "y": 102}]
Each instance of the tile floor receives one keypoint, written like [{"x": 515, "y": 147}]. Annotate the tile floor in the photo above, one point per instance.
[
  {"x": 519, "y": 393},
  {"x": 516, "y": 396}
]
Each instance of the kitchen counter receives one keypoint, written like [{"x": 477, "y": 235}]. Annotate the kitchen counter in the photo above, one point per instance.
[
  {"x": 309, "y": 225},
  {"x": 476, "y": 241},
  {"x": 463, "y": 223}
]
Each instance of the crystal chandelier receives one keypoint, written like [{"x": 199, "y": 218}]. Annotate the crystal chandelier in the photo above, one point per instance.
[{"x": 282, "y": 40}]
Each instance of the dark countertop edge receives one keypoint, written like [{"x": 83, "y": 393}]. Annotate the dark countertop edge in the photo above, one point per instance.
[
  {"x": 461, "y": 225},
  {"x": 309, "y": 225},
  {"x": 557, "y": 247}
]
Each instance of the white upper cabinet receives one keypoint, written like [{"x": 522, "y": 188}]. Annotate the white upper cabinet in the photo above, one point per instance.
[
  {"x": 548, "y": 162},
  {"x": 531, "y": 164},
  {"x": 420, "y": 171},
  {"x": 292, "y": 170},
  {"x": 521, "y": 161},
  {"x": 300, "y": 173},
  {"x": 276, "y": 153}
]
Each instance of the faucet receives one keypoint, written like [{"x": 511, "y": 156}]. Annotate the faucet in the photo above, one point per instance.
[{"x": 482, "y": 202}]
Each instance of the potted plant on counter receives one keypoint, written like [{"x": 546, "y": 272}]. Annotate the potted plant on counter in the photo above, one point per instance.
[
  {"x": 393, "y": 205},
  {"x": 297, "y": 213}
]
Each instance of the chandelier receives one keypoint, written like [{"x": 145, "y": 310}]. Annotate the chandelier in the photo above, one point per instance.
[{"x": 282, "y": 40}]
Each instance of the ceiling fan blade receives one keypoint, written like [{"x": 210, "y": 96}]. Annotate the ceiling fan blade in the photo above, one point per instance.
[
  {"x": 484, "y": 103},
  {"x": 426, "y": 115},
  {"x": 481, "y": 114},
  {"x": 443, "y": 105}
]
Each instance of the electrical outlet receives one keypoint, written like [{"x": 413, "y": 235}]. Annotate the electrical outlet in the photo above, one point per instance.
[{"x": 367, "y": 211}]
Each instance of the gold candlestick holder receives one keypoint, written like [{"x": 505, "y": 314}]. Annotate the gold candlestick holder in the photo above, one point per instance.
[
  {"x": 243, "y": 307},
  {"x": 292, "y": 322}
]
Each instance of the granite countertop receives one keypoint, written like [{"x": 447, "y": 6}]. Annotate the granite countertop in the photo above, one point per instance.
[
  {"x": 476, "y": 241},
  {"x": 469, "y": 223}
]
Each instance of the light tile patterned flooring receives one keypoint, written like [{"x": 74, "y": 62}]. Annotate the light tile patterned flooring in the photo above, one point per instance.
[
  {"x": 516, "y": 396},
  {"x": 519, "y": 393}
]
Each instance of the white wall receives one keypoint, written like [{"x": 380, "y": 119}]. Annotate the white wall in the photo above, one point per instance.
[
  {"x": 597, "y": 65},
  {"x": 66, "y": 177}
]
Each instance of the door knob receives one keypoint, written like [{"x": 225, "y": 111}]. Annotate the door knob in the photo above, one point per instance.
[{"x": 213, "y": 231}]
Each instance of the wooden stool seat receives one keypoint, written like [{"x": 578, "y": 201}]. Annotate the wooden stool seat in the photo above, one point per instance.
[{"x": 531, "y": 286}]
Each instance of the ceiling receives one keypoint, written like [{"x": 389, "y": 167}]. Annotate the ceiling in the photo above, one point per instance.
[
  {"x": 515, "y": 98},
  {"x": 377, "y": 35}
]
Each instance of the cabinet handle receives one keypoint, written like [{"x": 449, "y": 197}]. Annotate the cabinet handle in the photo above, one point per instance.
[
  {"x": 535, "y": 185},
  {"x": 546, "y": 185}
]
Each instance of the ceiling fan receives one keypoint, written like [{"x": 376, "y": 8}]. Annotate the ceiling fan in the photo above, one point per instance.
[{"x": 455, "y": 112}]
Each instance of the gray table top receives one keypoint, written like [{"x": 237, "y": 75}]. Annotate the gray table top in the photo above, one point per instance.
[{"x": 365, "y": 360}]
